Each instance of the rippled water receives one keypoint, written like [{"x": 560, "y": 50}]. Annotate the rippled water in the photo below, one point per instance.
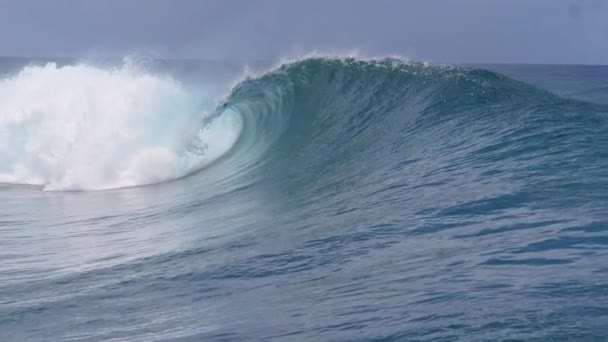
[{"x": 362, "y": 200}]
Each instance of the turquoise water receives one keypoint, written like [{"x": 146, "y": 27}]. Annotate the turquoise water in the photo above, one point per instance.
[{"x": 323, "y": 199}]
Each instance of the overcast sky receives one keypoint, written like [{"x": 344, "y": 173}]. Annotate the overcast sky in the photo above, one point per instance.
[{"x": 511, "y": 31}]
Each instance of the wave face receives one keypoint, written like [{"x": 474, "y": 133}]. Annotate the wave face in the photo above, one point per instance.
[
  {"x": 325, "y": 199},
  {"x": 341, "y": 111}
]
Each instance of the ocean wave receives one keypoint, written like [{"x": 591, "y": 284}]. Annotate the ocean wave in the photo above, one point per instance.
[{"x": 80, "y": 127}]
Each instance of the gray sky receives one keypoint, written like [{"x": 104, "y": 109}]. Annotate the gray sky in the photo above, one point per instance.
[{"x": 511, "y": 31}]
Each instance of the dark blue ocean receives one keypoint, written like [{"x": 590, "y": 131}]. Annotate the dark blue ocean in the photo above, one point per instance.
[{"x": 317, "y": 199}]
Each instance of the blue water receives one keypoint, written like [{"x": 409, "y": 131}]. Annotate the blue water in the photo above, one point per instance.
[{"x": 362, "y": 200}]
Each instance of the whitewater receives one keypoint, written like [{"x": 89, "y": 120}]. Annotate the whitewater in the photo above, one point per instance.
[
  {"x": 80, "y": 127},
  {"x": 319, "y": 198}
]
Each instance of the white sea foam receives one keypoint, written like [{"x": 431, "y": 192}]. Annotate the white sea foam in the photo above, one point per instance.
[{"x": 81, "y": 127}]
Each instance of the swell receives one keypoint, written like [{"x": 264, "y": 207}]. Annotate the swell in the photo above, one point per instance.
[
  {"x": 332, "y": 116},
  {"x": 320, "y": 115}
]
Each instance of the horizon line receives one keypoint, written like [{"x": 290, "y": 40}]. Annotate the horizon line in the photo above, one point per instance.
[{"x": 206, "y": 59}]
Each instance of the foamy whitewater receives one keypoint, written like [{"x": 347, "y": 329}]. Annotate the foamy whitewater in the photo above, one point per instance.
[
  {"x": 326, "y": 198},
  {"x": 81, "y": 127}
]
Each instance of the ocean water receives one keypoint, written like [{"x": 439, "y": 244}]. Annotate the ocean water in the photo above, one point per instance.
[{"x": 319, "y": 199}]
